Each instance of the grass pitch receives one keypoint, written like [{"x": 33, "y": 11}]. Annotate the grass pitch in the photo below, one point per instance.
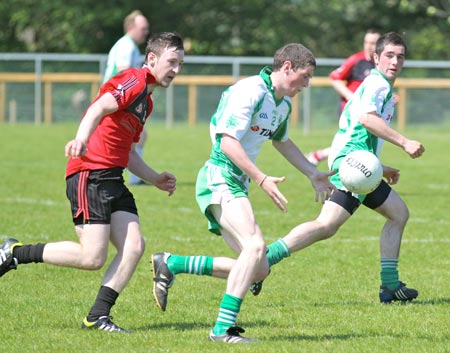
[{"x": 322, "y": 299}]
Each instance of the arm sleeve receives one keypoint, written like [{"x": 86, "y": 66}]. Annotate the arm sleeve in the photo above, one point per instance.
[
  {"x": 375, "y": 95},
  {"x": 343, "y": 71},
  {"x": 237, "y": 108},
  {"x": 126, "y": 87}
]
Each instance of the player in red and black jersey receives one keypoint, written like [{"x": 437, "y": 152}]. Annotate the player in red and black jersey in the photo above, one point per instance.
[
  {"x": 347, "y": 78},
  {"x": 103, "y": 208},
  {"x": 352, "y": 72}
]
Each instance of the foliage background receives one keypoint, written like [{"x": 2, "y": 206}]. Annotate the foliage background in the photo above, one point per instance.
[{"x": 330, "y": 28}]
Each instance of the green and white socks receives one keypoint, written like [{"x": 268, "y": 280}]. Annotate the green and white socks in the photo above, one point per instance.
[
  {"x": 228, "y": 312},
  {"x": 277, "y": 251},
  {"x": 197, "y": 265},
  {"x": 389, "y": 273},
  {"x": 203, "y": 265}
]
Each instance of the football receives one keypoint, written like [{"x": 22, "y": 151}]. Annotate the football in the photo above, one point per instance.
[{"x": 361, "y": 172}]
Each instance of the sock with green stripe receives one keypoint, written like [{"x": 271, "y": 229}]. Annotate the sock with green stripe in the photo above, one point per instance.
[
  {"x": 389, "y": 273},
  {"x": 197, "y": 265},
  {"x": 277, "y": 251},
  {"x": 228, "y": 312}
]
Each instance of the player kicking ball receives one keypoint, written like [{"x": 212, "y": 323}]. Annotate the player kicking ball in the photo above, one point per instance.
[
  {"x": 364, "y": 124},
  {"x": 252, "y": 111}
]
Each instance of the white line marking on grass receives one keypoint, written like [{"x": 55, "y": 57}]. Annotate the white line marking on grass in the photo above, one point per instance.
[
  {"x": 31, "y": 201},
  {"x": 437, "y": 186},
  {"x": 428, "y": 220},
  {"x": 404, "y": 240},
  {"x": 185, "y": 209}
]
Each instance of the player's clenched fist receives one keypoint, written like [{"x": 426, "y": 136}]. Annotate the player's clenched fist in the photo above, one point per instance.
[{"x": 414, "y": 148}]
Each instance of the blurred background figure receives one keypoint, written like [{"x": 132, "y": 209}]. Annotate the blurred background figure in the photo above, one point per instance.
[
  {"x": 347, "y": 78},
  {"x": 125, "y": 53}
]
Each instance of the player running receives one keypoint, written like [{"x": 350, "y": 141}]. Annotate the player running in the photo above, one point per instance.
[
  {"x": 252, "y": 111},
  {"x": 103, "y": 208}
]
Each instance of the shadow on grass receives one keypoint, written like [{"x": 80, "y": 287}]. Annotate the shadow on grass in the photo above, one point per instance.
[
  {"x": 432, "y": 301},
  {"x": 181, "y": 326},
  {"x": 188, "y": 326},
  {"x": 320, "y": 338},
  {"x": 348, "y": 336},
  {"x": 436, "y": 301}
]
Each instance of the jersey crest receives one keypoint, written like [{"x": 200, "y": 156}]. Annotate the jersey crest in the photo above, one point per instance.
[{"x": 139, "y": 108}]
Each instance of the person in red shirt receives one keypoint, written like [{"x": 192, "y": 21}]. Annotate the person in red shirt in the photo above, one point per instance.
[
  {"x": 347, "y": 78},
  {"x": 125, "y": 53},
  {"x": 103, "y": 208}
]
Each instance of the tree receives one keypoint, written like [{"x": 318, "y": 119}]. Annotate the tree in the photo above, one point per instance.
[
  {"x": 330, "y": 28},
  {"x": 82, "y": 26}
]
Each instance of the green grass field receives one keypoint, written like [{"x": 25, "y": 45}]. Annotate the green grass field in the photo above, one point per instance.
[{"x": 322, "y": 299}]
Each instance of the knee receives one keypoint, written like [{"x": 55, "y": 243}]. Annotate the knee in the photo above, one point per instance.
[
  {"x": 254, "y": 249},
  {"x": 140, "y": 248},
  {"x": 258, "y": 249},
  {"x": 396, "y": 213},
  {"x": 136, "y": 250},
  {"x": 263, "y": 271},
  {"x": 93, "y": 261},
  {"x": 327, "y": 230},
  {"x": 401, "y": 215}
]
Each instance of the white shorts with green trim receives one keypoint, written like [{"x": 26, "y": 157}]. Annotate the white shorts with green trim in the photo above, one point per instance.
[{"x": 216, "y": 185}]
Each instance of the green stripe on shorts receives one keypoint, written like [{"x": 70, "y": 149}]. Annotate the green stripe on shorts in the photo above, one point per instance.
[{"x": 214, "y": 183}]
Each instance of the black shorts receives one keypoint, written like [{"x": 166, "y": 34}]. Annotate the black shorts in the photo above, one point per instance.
[
  {"x": 95, "y": 194},
  {"x": 373, "y": 200}
]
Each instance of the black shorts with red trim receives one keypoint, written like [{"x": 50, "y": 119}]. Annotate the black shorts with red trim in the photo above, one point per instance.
[{"x": 95, "y": 194}]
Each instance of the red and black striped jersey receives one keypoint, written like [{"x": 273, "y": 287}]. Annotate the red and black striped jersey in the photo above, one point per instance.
[
  {"x": 110, "y": 143},
  {"x": 353, "y": 70}
]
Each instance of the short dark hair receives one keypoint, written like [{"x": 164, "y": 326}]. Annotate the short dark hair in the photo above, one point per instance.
[
  {"x": 391, "y": 38},
  {"x": 297, "y": 54},
  {"x": 163, "y": 40}
]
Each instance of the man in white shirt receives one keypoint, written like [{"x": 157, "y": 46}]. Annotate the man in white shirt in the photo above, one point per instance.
[{"x": 124, "y": 54}]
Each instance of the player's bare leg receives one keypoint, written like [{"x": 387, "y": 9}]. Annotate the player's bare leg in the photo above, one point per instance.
[
  {"x": 396, "y": 213},
  {"x": 242, "y": 233},
  {"x": 89, "y": 254},
  {"x": 127, "y": 239},
  {"x": 331, "y": 217}
]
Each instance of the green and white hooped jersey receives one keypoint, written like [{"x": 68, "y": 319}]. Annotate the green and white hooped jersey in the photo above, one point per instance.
[
  {"x": 124, "y": 53},
  {"x": 374, "y": 94},
  {"x": 249, "y": 112}
]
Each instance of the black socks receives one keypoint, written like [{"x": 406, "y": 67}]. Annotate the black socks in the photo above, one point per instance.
[
  {"x": 106, "y": 298},
  {"x": 29, "y": 253}
]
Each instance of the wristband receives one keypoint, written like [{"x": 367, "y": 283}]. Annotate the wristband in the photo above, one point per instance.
[{"x": 262, "y": 180}]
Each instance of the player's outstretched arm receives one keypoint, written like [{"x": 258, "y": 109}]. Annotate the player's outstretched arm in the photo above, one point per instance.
[
  {"x": 164, "y": 181},
  {"x": 319, "y": 180},
  {"x": 232, "y": 148},
  {"x": 377, "y": 126}
]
